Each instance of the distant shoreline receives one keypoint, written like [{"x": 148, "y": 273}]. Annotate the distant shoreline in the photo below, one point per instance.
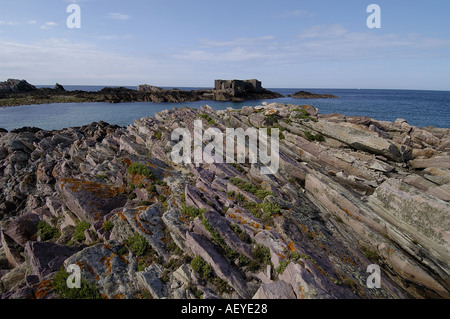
[{"x": 20, "y": 92}]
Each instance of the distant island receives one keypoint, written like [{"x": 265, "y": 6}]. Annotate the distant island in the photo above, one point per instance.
[
  {"x": 309, "y": 95},
  {"x": 19, "y": 92}
]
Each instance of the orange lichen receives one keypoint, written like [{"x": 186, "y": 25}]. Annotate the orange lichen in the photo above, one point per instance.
[
  {"x": 121, "y": 215},
  {"x": 98, "y": 189},
  {"x": 151, "y": 165},
  {"x": 255, "y": 225},
  {"x": 281, "y": 256},
  {"x": 347, "y": 260},
  {"x": 84, "y": 265},
  {"x": 107, "y": 261},
  {"x": 346, "y": 211},
  {"x": 291, "y": 246},
  {"x": 127, "y": 161},
  {"x": 43, "y": 288},
  {"x": 300, "y": 288},
  {"x": 304, "y": 227}
]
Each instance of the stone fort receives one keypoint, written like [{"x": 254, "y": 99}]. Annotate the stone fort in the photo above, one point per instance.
[{"x": 236, "y": 87}]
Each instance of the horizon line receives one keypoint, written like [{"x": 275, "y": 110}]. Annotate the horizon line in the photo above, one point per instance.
[{"x": 268, "y": 88}]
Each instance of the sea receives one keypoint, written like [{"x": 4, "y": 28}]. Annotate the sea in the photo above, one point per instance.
[{"x": 419, "y": 108}]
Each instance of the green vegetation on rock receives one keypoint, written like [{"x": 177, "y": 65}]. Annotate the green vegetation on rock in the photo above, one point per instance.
[
  {"x": 79, "y": 230},
  {"x": 87, "y": 291},
  {"x": 47, "y": 232},
  {"x": 201, "y": 267}
]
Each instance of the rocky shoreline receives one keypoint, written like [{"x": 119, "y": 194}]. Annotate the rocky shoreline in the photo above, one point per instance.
[
  {"x": 20, "y": 92},
  {"x": 350, "y": 192}
]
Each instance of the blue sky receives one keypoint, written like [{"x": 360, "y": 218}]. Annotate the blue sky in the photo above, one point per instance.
[{"x": 284, "y": 43}]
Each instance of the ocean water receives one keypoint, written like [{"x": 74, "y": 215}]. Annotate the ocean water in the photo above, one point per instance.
[{"x": 419, "y": 108}]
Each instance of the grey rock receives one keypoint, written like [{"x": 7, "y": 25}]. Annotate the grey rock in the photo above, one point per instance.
[
  {"x": 23, "y": 228},
  {"x": 90, "y": 201},
  {"x": 11, "y": 249},
  {"x": 46, "y": 257},
  {"x": 114, "y": 275},
  {"x": 149, "y": 280},
  {"x": 200, "y": 246},
  {"x": 275, "y": 290},
  {"x": 221, "y": 225}
]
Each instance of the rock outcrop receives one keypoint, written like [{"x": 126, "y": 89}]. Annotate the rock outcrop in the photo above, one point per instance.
[
  {"x": 349, "y": 192},
  {"x": 309, "y": 95},
  {"x": 16, "y": 86},
  {"x": 15, "y": 92}
]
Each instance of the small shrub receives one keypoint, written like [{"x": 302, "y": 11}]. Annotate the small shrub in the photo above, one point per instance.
[
  {"x": 263, "y": 193},
  {"x": 138, "y": 245},
  {"x": 87, "y": 290},
  {"x": 229, "y": 253},
  {"x": 158, "y": 135},
  {"x": 295, "y": 256},
  {"x": 47, "y": 232},
  {"x": 245, "y": 186},
  {"x": 319, "y": 137},
  {"x": 238, "y": 167},
  {"x": 192, "y": 211},
  {"x": 311, "y": 137},
  {"x": 140, "y": 169},
  {"x": 108, "y": 226},
  {"x": 370, "y": 254},
  {"x": 261, "y": 254},
  {"x": 240, "y": 197},
  {"x": 122, "y": 251},
  {"x": 222, "y": 286},
  {"x": 197, "y": 292},
  {"x": 201, "y": 267},
  {"x": 282, "y": 267},
  {"x": 270, "y": 208},
  {"x": 208, "y": 118},
  {"x": 241, "y": 234},
  {"x": 79, "y": 230}
]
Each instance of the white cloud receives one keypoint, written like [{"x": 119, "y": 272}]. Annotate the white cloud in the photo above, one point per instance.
[
  {"x": 49, "y": 25},
  {"x": 323, "y": 31},
  {"x": 317, "y": 43},
  {"x": 60, "y": 60},
  {"x": 9, "y": 23},
  {"x": 119, "y": 16},
  {"x": 32, "y": 22}
]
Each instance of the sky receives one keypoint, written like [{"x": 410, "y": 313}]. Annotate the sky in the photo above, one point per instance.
[{"x": 283, "y": 43}]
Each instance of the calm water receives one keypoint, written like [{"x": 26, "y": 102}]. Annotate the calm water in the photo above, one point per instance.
[{"x": 419, "y": 108}]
